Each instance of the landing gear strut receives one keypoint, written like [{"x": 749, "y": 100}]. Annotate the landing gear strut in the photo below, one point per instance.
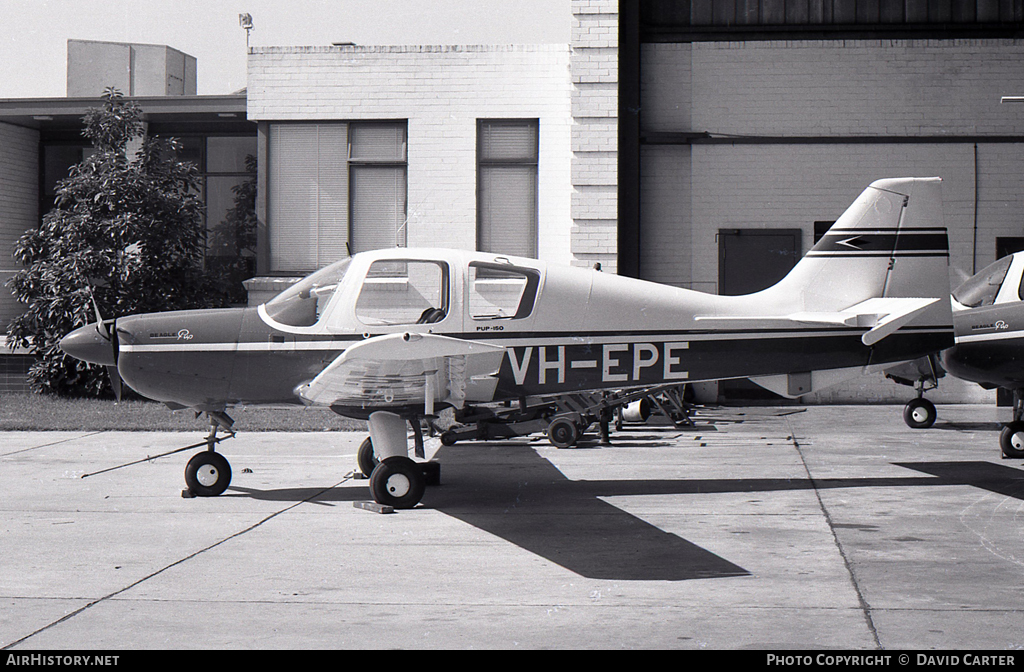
[
  {"x": 920, "y": 413},
  {"x": 208, "y": 473},
  {"x": 395, "y": 479},
  {"x": 1011, "y": 439}
]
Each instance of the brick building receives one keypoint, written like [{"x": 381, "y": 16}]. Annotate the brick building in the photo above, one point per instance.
[
  {"x": 700, "y": 143},
  {"x": 746, "y": 128},
  {"x": 362, "y": 147}
]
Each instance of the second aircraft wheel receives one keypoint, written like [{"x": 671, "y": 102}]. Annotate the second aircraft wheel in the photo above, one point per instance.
[
  {"x": 919, "y": 413},
  {"x": 1011, "y": 440},
  {"x": 563, "y": 432},
  {"x": 207, "y": 474},
  {"x": 365, "y": 458},
  {"x": 397, "y": 482}
]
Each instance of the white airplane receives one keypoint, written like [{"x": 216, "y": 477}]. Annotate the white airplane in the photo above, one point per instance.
[{"x": 395, "y": 335}]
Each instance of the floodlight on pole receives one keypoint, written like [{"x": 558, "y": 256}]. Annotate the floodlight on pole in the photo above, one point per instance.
[{"x": 245, "y": 21}]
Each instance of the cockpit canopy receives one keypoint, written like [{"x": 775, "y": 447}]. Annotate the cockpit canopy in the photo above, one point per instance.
[
  {"x": 390, "y": 288},
  {"x": 302, "y": 304},
  {"x": 982, "y": 288}
]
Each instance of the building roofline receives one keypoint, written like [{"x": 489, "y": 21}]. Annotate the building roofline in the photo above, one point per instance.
[
  {"x": 35, "y": 112},
  {"x": 410, "y": 48}
]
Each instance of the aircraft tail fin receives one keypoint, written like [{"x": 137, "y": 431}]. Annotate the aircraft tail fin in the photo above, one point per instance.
[
  {"x": 891, "y": 242},
  {"x": 884, "y": 264},
  {"x": 881, "y": 272}
]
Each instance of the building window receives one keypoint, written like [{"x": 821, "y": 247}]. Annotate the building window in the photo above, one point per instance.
[
  {"x": 334, "y": 189},
  {"x": 229, "y": 190},
  {"x": 377, "y": 186},
  {"x": 507, "y": 151},
  {"x": 58, "y": 158},
  {"x": 227, "y": 168}
]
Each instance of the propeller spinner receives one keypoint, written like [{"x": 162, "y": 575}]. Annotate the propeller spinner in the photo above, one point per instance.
[{"x": 97, "y": 344}]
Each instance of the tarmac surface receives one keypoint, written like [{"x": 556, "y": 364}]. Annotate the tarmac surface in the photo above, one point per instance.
[{"x": 833, "y": 527}]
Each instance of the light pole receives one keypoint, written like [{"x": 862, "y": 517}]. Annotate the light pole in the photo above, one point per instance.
[{"x": 245, "y": 21}]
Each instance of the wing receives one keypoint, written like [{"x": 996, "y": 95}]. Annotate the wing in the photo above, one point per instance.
[
  {"x": 883, "y": 315},
  {"x": 406, "y": 369}
]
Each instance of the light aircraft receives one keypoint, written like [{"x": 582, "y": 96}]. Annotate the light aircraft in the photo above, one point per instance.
[
  {"x": 988, "y": 321},
  {"x": 394, "y": 336}
]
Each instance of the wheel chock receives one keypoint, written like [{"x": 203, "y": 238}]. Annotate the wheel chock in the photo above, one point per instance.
[
  {"x": 187, "y": 494},
  {"x": 374, "y": 506},
  {"x": 431, "y": 472}
]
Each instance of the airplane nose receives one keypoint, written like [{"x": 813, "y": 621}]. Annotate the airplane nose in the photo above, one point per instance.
[{"x": 87, "y": 344}]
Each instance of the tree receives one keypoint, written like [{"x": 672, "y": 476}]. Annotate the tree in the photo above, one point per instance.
[{"x": 125, "y": 230}]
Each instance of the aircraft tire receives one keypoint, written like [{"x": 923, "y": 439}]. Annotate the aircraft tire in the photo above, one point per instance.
[
  {"x": 563, "y": 433},
  {"x": 1011, "y": 440},
  {"x": 398, "y": 482},
  {"x": 919, "y": 414},
  {"x": 207, "y": 474},
  {"x": 365, "y": 458}
]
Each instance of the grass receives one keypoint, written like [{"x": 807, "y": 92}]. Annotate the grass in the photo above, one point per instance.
[{"x": 36, "y": 412}]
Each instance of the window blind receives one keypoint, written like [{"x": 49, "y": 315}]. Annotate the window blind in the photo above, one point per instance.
[
  {"x": 507, "y": 151},
  {"x": 378, "y": 207},
  {"x": 308, "y": 195}
]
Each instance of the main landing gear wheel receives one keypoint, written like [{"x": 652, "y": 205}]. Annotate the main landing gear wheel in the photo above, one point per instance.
[
  {"x": 397, "y": 482},
  {"x": 207, "y": 474},
  {"x": 365, "y": 458},
  {"x": 1011, "y": 440},
  {"x": 919, "y": 413},
  {"x": 563, "y": 433}
]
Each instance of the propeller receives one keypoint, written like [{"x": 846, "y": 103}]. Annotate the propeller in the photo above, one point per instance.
[
  {"x": 115, "y": 375},
  {"x": 108, "y": 330}
]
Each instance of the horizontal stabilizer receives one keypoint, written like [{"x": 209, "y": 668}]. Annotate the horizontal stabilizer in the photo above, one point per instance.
[
  {"x": 882, "y": 316},
  {"x": 889, "y": 315}
]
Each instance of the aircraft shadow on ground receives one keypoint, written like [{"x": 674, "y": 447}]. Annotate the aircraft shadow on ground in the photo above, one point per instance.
[
  {"x": 961, "y": 426},
  {"x": 512, "y": 492}
]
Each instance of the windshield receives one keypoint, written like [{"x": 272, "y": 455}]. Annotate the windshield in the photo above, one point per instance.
[
  {"x": 981, "y": 289},
  {"x": 302, "y": 304}
]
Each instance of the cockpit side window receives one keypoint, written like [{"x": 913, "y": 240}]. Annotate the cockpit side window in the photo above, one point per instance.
[
  {"x": 302, "y": 304},
  {"x": 501, "y": 292},
  {"x": 981, "y": 289},
  {"x": 404, "y": 292}
]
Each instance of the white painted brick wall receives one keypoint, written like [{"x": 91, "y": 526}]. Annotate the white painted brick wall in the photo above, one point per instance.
[
  {"x": 442, "y": 91},
  {"x": 665, "y": 220},
  {"x": 594, "y": 143}
]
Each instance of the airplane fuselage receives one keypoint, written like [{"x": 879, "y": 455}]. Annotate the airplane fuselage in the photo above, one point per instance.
[
  {"x": 212, "y": 359},
  {"x": 989, "y": 345}
]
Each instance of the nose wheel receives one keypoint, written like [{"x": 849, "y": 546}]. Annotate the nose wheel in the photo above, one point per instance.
[
  {"x": 207, "y": 474},
  {"x": 919, "y": 413}
]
